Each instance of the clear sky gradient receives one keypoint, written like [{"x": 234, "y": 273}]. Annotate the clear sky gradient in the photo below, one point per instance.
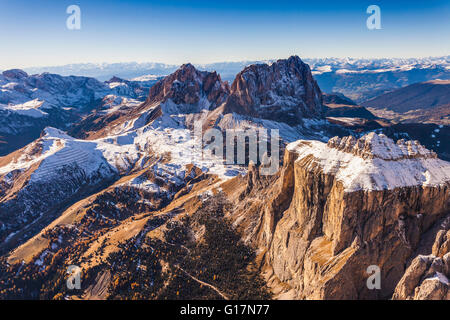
[{"x": 34, "y": 33}]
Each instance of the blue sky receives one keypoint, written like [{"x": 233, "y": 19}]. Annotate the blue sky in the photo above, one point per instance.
[{"x": 34, "y": 33}]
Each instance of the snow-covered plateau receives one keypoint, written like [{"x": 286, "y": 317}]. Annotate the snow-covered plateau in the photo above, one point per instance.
[{"x": 374, "y": 162}]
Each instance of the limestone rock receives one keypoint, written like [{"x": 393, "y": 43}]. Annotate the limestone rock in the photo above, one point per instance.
[
  {"x": 283, "y": 91},
  {"x": 325, "y": 220}
]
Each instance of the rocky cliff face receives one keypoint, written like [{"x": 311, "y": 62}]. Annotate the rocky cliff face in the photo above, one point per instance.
[
  {"x": 54, "y": 171},
  {"x": 190, "y": 89},
  {"x": 338, "y": 208},
  {"x": 283, "y": 91},
  {"x": 427, "y": 277}
]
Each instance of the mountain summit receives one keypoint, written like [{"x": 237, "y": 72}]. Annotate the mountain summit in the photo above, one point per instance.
[
  {"x": 187, "y": 87},
  {"x": 283, "y": 91}
]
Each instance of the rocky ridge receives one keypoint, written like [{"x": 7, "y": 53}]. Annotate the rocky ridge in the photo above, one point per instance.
[
  {"x": 284, "y": 91},
  {"x": 29, "y": 103},
  {"x": 334, "y": 208},
  {"x": 426, "y": 278}
]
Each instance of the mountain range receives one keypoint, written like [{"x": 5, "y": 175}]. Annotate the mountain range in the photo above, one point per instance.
[{"x": 111, "y": 177}]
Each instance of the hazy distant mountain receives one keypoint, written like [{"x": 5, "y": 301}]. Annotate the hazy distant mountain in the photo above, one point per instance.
[
  {"x": 284, "y": 91},
  {"x": 364, "y": 79},
  {"x": 423, "y": 95},
  {"x": 336, "y": 98}
]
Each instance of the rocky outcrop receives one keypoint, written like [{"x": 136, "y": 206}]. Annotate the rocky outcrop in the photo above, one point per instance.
[
  {"x": 427, "y": 277},
  {"x": 190, "y": 89},
  {"x": 330, "y": 226},
  {"x": 284, "y": 91},
  {"x": 187, "y": 91},
  {"x": 373, "y": 146}
]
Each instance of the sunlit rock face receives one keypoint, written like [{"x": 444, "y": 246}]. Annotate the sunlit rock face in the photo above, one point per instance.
[
  {"x": 190, "y": 90},
  {"x": 427, "y": 277},
  {"x": 284, "y": 91},
  {"x": 339, "y": 207}
]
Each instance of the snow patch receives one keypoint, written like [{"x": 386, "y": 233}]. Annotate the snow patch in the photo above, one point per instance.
[{"x": 388, "y": 169}]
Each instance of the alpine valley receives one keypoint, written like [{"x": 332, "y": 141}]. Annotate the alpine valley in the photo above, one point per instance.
[{"x": 111, "y": 177}]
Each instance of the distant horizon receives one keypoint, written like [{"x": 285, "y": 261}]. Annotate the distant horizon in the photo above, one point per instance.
[{"x": 218, "y": 62}]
